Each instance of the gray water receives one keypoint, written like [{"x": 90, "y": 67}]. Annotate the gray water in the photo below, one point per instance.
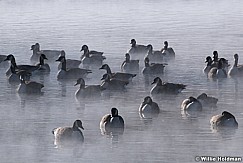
[{"x": 193, "y": 28}]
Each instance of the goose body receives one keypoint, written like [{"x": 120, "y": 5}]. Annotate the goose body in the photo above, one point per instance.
[
  {"x": 29, "y": 68},
  {"x": 52, "y": 55},
  {"x": 168, "y": 52},
  {"x": 208, "y": 67},
  {"x": 137, "y": 51},
  {"x": 69, "y": 134},
  {"x": 166, "y": 88},
  {"x": 118, "y": 75},
  {"x": 148, "y": 108},
  {"x": 217, "y": 72},
  {"x": 207, "y": 101},
  {"x": 236, "y": 70},
  {"x": 129, "y": 65},
  {"x": 73, "y": 73},
  {"x": 43, "y": 67},
  {"x": 154, "y": 56},
  {"x": 191, "y": 104},
  {"x": 87, "y": 91},
  {"x": 91, "y": 57},
  {"x": 113, "y": 84},
  {"x": 112, "y": 123},
  {"x": 226, "y": 119},
  {"x": 154, "y": 68},
  {"x": 70, "y": 63}
]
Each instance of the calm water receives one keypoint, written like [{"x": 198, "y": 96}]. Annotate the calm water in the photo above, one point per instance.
[{"x": 193, "y": 28}]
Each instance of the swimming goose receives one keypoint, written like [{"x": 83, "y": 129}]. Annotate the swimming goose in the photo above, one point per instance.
[
  {"x": 191, "y": 104},
  {"x": 209, "y": 62},
  {"x": 129, "y": 65},
  {"x": 216, "y": 60},
  {"x": 73, "y": 73},
  {"x": 112, "y": 123},
  {"x": 154, "y": 68},
  {"x": 168, "y": 52},
  {"x": 91, "y": 57},
  {"x": 148, "y": 108},
  {"x": 236, "y": 70},
  {"x": 14, "y": 77},
  {"x": 50, "y": 54},
  {"x": 155, "y": 56},
  {"x": 112, "y": 84},
  {"x": 118, "y": 75},
  {"x": 69, "y": 134},
  {"x": 29, "y": 68},
  {"x": 43, "y": 67},
  {"x": 224, "y": 120},
  {"x": 137, "y": 51},
  {"x": 207, "y": 101},
  {"x": 166, "y": 88},
  {"x": 70, "y": 63},
  {"x": 217, "y": 72},
  {"x": 28, "y": 87},
  {"x": 87, "y": 91}
]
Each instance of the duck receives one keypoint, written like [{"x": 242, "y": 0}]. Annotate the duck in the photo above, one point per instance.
[
  {"x": 117, "y": 75},
  {"x": 207, "y": 101},
  {"x": 191, "y": 104},
  {"x": 112, "y": 123},
  {"x": 43, "y": 67},
  {"x": 155, "y": 56},
  {"x": 165, "y": 88},
  {"x": 28, "y": 87},
  {"x": 52, "y": 55},
  {"x": 148, "y": 108},
  {"x": 91, "y": 57},
  {"x": 154, "y": 68},
  {"x": 236, "y": 70},
  {"x": 226, "y": 119},
  {"x": 168, "y": 52},
  {"x": 70, "y": 63},
  {"x": 218, "y": 72},
  {"x": 69, "y": 134},
  {"x": 87, "y": 91},
  {"x": 29, "y": 68},
  {"x": 73, "y": 73},
  {"x": 129, "y": 65},
  {"x": 137, "y": 51},
  {"x": 113, "y": 84},
  {"x": 208, "y": 67}
]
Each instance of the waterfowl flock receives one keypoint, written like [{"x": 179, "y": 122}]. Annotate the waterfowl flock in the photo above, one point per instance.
[{"x": 70, "y": 70}]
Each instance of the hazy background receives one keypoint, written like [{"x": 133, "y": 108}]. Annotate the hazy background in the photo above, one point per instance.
[{"x": 193, "y": 28}]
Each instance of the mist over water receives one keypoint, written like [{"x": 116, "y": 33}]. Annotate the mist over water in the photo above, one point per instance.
[{"x": 193, "y": 28}]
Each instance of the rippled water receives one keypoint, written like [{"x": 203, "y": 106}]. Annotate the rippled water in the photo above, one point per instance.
[{"x": 193, "y": 28}]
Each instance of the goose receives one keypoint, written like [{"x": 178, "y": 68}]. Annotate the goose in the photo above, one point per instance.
[
  {"x": 154, "y": 68},
  {"x": 91, "y": 57},
  {"x": 14, "y": 77},
  {"x": 69, "y": 134},
  {"x": 50, "y": 54},
  {"x": 129, "y": 65},
  {"x": 29, "y": 68},
  {"x": 226, "y": 119},
  {"x": 118, "y": 75},
  {"x": 43, "y": 67},
  {"x": 166, "y": 88},
  {"x": 191, "y": 104},
  {"x": 218, "y": 72},
  {"x": 70, "y": 63},
  {"x": 73, "y": 73},
  {"x": 209, "y": 62},
  {"x": 155, "y": 56},
  {"x": 113, "y": 84},
  {"x": 137, "y": 51},
  {"x": 87, "y": 91},
  {"x": 168, "y": 52},
  {"x": 112, "y": 123},
  {"x": 207, "y": 101},
  {"x": 216, "y": 60},
  {"x": 28, "y": 87},
  {"x": 148, "y": 108},
  {"x": 236, "y": 70}
]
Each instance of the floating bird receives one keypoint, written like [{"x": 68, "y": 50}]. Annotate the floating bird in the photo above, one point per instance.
[
  {"x": 207, "y": 101},
  {"x": 236, "y": 70},
  {"x": 70, "y": 63},
  {"x": 129, "y": 65},
  {"x": 191, "y": 104},
  {"x": 225, "y": 120},
  {"x": 154, "y": 68}
]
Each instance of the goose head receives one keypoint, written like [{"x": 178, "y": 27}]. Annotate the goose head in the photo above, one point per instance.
[
  {"x": 80, "y": 81},
  {"x": 63, "y": 53},
  {"x": 148, "y": 100},
  {"x": 166, "y": 45},
  {"x": 114, "y": 112},
  {"x": 10, "y": 57},
  {"x": 157, "y": 81},
  {"x": 133, "y": 42},
  {"x": 127, "y": 57},
  {"x": 84, "y": 48},
  {"x": 209, "y": 60},
  {"x": 77, "y": 124}
]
